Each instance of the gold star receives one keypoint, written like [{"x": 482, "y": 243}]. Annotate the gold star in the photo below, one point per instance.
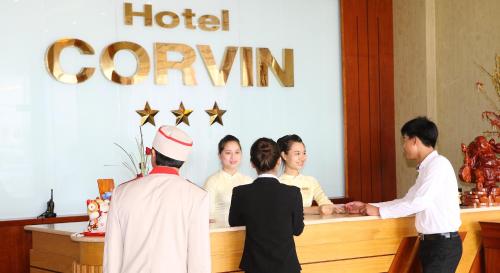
[
  {"x": 215, "y": 114},
  {"x": 147, "y": 114},
  {"x": 181, "y": 114}
]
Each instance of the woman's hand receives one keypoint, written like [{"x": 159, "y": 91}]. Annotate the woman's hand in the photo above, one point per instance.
[
  {"x": 326, "y": 209},
  {"x": 339, "y": 208}
]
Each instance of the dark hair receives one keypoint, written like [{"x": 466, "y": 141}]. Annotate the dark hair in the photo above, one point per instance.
[
  {"x": 422, "y": 128},
  {"x": 227, "y": 139},
  {"x": 264, "y": 154},
  {"x": 286, "y": 142},
  {"x": 163, "y": 160}
]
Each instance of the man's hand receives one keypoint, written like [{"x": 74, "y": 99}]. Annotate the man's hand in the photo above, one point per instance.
[
  {"x": 362, "y": 208},
  {"x": 371, "y": 210},
  {"x": 355, "y": 207}
]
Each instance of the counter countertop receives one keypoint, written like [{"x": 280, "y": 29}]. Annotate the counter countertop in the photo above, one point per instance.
[{"x": 74, "y": 229}]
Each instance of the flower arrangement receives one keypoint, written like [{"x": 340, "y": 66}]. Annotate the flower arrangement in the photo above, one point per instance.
[
  {"x": 138, "y": 168},
  {"x": 493, "y": 117}
]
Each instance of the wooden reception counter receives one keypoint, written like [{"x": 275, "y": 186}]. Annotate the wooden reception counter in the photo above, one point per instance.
[
  {"x": 490, "y": 232},
  {"x": 338, "y": 243}
]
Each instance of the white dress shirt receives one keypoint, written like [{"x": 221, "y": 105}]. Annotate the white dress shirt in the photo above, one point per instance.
[
  {"x": 267, "y": 175},
  {"x": 433, "y": 198}
]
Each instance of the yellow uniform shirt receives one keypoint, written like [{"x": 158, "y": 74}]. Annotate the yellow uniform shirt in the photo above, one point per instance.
[
  {"x": 220, "y": 189},
  {"x": 309, "y": 188}
]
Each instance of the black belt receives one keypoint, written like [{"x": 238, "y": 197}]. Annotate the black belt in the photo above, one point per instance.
[{"x": 438, "y": 236}]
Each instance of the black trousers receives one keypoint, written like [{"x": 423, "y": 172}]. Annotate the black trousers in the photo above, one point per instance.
[{"x": 441, "y": 255}]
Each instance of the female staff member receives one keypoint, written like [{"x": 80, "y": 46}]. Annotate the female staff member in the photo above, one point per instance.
[
  {"x": 293, "y": 154},
  {"x": 220, "y": 185},
  {"x": 272, "y": 213}
]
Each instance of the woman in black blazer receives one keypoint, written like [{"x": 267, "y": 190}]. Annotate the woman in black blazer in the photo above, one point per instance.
[{"x": 272, "y": 213}]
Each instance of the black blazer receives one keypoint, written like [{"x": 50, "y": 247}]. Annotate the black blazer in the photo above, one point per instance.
[{"x": 272, "y": 213}]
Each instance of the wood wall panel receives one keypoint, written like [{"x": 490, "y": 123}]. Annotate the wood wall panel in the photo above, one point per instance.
[
  {"x": 374, "y": 191},
  {"x": 387, "y": 120},
  {"x": 368, "y": 79},
  {"x": 15, "y": 242},
  {"x": 352, "y": 156}
]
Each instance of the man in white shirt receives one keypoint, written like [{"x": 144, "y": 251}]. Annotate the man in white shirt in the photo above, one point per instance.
[
  {"x": 159, "y": 223},
  {"x": 433, "y": 200}
]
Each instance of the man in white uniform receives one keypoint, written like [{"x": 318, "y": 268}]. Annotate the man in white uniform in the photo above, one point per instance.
[
  {"x": 159, "y": 223},
  {"x": 433, "y": 199}
]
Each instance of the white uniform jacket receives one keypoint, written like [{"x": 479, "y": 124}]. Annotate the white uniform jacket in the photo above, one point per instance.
[{"x": 158, "y": 223}]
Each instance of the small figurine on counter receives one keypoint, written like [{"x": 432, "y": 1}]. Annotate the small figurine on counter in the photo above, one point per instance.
[
  {"x": 93, "y": 212},
  {"x": 49, "y": 213},
  {"x": 97, "y": 209},
  {"x": 103, "y": 211}
]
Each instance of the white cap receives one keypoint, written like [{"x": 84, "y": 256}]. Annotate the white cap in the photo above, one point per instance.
[{"x": 173, "y": 142}]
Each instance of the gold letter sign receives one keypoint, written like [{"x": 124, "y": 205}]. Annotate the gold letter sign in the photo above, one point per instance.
[
  {"x": 185, "y": 66},
  {"x": 53, "y": 63},
  {"x": 147, "y": 14},
  {"x": 108, "y": 65},
  {"x": 265, "y": 60},
  {"x": 218, "y": 75}
]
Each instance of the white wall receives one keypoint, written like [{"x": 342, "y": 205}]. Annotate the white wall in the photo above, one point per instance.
[{"x": 60, "y": 136}]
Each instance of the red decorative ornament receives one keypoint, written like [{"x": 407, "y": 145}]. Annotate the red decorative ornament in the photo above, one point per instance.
[{"x": 482, "y": 167}]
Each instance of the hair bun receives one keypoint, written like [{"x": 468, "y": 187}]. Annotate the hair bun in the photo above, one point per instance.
[{"x": 264, "y": 154}]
